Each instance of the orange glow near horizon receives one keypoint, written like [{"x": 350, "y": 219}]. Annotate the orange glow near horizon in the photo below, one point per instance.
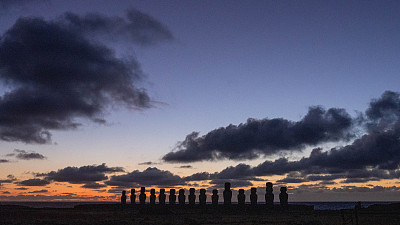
[{"x": 58, "y": 191}]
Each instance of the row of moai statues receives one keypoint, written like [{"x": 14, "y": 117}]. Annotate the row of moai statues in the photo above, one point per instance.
[{"x": 227, "y": 194}]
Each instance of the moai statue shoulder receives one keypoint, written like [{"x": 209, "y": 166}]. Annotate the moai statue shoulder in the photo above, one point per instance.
[
  {"x": 253, "y": 196},
  {"x": 152, "y": 197},
  {"x": 123, "y": 198},
  {"x": 172, "y": 197},
  {"x": 283, "y": 196},
  {"x": 192, "y": 196},
  {"x": 181, "y": 197},
  {"x": 142, "y": 196},
  {"x": 227, "y": 194},
  {"x": 241, "y": 197},
  {"x": 269, "y": 195},
  {"x": 215, "y": 197},
  {"x": 161, "y": 197},
  {"x": 133, "y": 196},
  {"x": 202, "y": 197}
]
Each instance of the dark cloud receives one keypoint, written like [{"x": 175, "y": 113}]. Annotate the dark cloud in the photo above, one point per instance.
[
  {"x": 264, "y": 137},
  {"x": 58, "y": 73},
  {"x": 6, "y": 192},
  {"x": 93, "y": 185},
  {"x": 81, "y": 175},
  {"x": 148, "y": 177},
  {"x": 33, "y": 182},
  {"x": 39, "y": 191},
  {"x": 24, "y": 155}
]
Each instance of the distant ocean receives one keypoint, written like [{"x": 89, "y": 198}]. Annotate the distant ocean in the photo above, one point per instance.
[{"x": 317, "y": 205}]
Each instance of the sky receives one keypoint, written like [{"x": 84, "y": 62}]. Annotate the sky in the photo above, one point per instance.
[{"x": 99, "y": 97}]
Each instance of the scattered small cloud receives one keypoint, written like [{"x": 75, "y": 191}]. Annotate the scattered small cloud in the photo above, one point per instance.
[
  {"x": 10, "y": 179},
  {"x": 93, "y": 185},
  {"x": 185, "y": 167},
  {"x": 149, "y": 163},
  {"x": 25, "y": 155},
  {"x": 21, "y": 188},
  {"x": 33, "y": 182},
  {"x": 39, "y": 191}
]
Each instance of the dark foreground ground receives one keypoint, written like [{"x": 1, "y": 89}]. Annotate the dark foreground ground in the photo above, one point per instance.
[{"x": 114, "y": 214}]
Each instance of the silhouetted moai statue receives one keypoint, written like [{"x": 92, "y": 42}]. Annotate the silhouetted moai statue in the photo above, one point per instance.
[
  {"x": 172, "y": 197},
  {"x": 152, "y": 197},
  {"x": 283, "y": 196},
  {"x": 123, "y": 198},
  {"x": 215, "y": 197},
  {"x": 241, "y": 197},
  {"x": 269, "y": 196},
  {"x": 192, "y": 196},
  {"x": 182, "y": 197},
  {"x": 133, "y": 196},
  {"x": 227, "y": 194},
  {"x": 253, "y": 196},
  {"x": 162, "y": 197},
  {"x": 202, "y": 197},
  {"x": 142, "y": 196}
]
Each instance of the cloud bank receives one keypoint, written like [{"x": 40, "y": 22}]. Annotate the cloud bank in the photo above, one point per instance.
[
  {"x": 264, "y": 137},
  {"x": 371, "y": 157}
]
